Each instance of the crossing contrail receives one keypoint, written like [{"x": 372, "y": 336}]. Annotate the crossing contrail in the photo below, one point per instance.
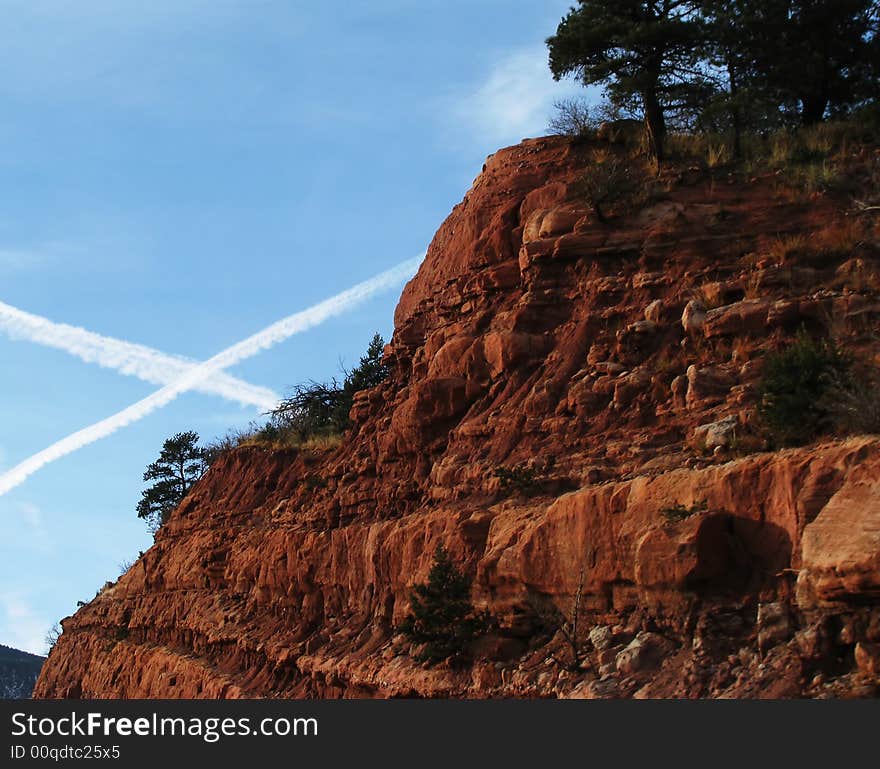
[
  {"x": 127, "y": 358},
  {"x": 200, "y": 372}
]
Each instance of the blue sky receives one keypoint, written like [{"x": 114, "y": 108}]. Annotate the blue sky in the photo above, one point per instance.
[{"x": 182, "y": 173}]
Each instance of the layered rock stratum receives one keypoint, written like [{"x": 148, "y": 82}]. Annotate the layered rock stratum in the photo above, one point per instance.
[{"x": 611, "y": 369}]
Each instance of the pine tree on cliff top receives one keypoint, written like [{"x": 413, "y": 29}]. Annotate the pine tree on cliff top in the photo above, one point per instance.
[
  {"x": 442, "y": 618},
  {"x": 646, "y": 54},
  {"x": 180, "y": 464}
]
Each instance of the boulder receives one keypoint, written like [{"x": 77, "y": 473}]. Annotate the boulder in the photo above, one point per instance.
[
  {"x": 642, "y": 327},
  {"x": 746, "y": 317},
  {"x": 774, "y": 624},
  {"x": 602, "y": 689},
  {"x": 559, "y": 221},
  {"x": 654, "y": 311},
  {"x": 610, "y": 367},
  {"x": 718, "y": 434},
  {"x": 867, "y": 656},
  {"x": 645, "y": 651},
  {"x": 506, "y": 350},
  {"x": 601, "y": 637},
  {"x": 693, "y": 317}
]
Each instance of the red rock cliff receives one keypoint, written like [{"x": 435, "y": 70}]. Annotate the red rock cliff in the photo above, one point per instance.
[{"x": 615, "y": 365}]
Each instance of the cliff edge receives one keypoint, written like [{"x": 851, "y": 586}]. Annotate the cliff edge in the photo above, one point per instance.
[{"x": 610, "y": 369}]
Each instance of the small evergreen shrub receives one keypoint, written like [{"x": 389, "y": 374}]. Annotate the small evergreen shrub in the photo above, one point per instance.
[
  {"x": 793, "y": 406},
  {"x": 679, "y": 512},
  {"x": 442, "y": 619},
  {"x": 519, "y": 479}
]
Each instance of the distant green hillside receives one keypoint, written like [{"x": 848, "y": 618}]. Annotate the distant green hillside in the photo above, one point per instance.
[{"x": 18, "y": 673}]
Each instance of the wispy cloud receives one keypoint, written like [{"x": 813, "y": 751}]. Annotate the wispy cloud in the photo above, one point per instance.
[
  {"x": 126, "y": 357},
  {"x": 196, "y": 375},
  {"x": 513, "y": 101}
]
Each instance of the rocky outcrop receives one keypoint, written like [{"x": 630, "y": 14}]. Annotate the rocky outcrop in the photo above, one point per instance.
[{"x": 536, "y": 337}]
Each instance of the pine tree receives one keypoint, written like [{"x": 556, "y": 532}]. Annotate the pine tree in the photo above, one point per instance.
[
  {"x": 180, "y": 464},
  {"x": 735, "y": 29},
  {"x": 442, "y": 618},
  {"x": 823, "y": 56},
  {"x": 369, "y": 373},
  {"x": 647, "y": 54},
  {"x": 810, "y": 59}
]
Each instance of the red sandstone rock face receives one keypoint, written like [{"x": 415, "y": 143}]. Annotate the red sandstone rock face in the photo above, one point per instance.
[{"x": 599, "y": 356}]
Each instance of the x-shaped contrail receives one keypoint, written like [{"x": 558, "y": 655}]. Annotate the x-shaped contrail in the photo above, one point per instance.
[
  {"x": 199, "y": 373},
  {"x": 127, "y": 358}
]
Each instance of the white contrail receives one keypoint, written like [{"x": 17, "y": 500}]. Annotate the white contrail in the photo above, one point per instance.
[
  {"x": 277, "y": 332},
  {"x": 126, "y": 357}
]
